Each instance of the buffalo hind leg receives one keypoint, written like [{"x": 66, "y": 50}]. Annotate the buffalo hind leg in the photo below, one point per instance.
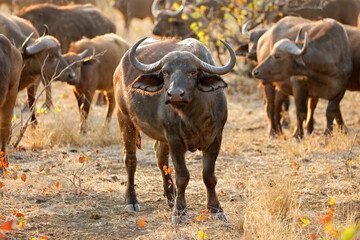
[
  {"x": 210, "y": 180},
  {"x": 177, "y": 152},
  {"x": 129, "y": 136},
  {"x": 110, "y": 106},
  {"x": 280, "y": 99},
  {"x": 162, "y": 159},
  {"x": 332, "y": 111},
  {"x": 85, "y": 111},
  {"x": 340, "y": 121}
]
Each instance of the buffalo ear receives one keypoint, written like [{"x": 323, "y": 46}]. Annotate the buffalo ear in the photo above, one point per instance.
[
  {"x": 242, "y": 50},
  {"x": 209, "y": 83},
  {"x": 148, "y": 83}
]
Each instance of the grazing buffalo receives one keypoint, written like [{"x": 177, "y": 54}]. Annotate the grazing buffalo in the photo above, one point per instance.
[
  {"x": 11, "y": 64},
  {"x": 315, "y": 75},
  {"x": 41, "y": 55},
  {"x": 172, "y": 92},
  {"x": 95, "y": 74},
  {"x": 68, "y": 23},
  {"x": 134, "y": 9},
  {"x": 344, "y": 11}
]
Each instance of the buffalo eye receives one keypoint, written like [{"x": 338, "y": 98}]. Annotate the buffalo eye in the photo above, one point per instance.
[
  {"x": 165, "y": 73},
  {"x": 276, "y": 56},
  {"x": 192, "y": 73}
]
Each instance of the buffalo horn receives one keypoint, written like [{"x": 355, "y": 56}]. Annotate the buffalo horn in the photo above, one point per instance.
[
  {"x": 290, "y": 47},
  {"x": 298, "y": 36},
  {"x": 244, "y": 28},
  {"x": 46, "y": 30},
  {"x": 25, "y": 43},
  {"x": 219, "y": 70},
  {"x": 38, "y": 46},
  {"x": 145, "y": 68},
  {"x": 155, "y": 11},
  {"x": 83, "y": 53}
]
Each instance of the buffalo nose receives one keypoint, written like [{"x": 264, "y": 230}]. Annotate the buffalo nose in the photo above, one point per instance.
[
  {"x": 175, "y": 94},
  {"x": 256, "y": 73}
]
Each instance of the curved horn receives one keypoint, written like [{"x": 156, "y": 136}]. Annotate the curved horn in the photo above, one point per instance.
[
  {"x": 83, "y": 53},
  {"x": 244, "y": 28},
  {"x": 297, "y": 39},
  {"x": 25, "y": 43},
  {"x": 46, "y": 30},
  {"x": 306, "y": 44},
  {"x": 155, "y": 11},
  {"x": 145, "y": 68},
  {"x": 290, "y": 47},
  {"x": 219, "y": 70},
  {"x": 36, "y": 47}
]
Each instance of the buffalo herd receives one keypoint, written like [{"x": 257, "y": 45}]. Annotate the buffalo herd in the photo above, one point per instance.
[{"x": 169, "y": 88}]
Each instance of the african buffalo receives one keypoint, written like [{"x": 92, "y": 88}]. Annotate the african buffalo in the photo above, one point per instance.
[
  {"x": 344, "y": 11},
  {"x": 95, "y": 74},
  {"x": 41, "y": 55},
  {"x": 68, "y": 23},
  {"x": 134, "y": 9},
  {"x": 11, "y": 64},
  {"x": 172, "y": 92},
  {"x": 315, "y": 75}
]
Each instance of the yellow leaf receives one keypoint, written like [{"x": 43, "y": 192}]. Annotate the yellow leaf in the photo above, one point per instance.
[
  {"x": 305, "y": 221},
  {"x": 348, "y": 233},
  {"x": 201, "y": 235},
  {"x": 184, "y": 17},
  {"x": 332, "y": 201},
  {"x": 57, "y": 109},
  {"x": 21, "y": 225},
  {"x": 351, "y": 162}
]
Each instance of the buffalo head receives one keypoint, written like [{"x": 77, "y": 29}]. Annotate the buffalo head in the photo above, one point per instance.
[
  {"x": 181, "y": 75},
  {"x": 80, "y": 64},
  {"x": 284, "y": 61},
  {"x": 248, "y": 49},
  {"x": 44, "y": 56}
]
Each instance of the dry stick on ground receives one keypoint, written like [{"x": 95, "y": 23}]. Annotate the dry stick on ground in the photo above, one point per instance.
[{"x": 27, "y": 122}]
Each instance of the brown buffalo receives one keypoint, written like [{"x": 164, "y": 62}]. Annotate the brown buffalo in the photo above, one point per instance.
[
  {"x": 322, "y": 77},
  {"x": 68, "y": 23},
  {"x": 130, "y": 9},
  {"x": 344, "y": 11},
  {"x": 11, "y": 64},
  {"x": 95, "y": 74},
  {"x": 172, "y": 92},
  {"x": 40, "y": 55}
]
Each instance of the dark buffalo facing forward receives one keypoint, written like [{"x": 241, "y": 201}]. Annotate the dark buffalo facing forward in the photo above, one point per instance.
[
  {"x": 172, "y": 92},
  {"x": 40, "y": 55},
  {"x": 319, "y": 70},
  {"x": 11, "y": 64},
  {"x": 95, "y": 74}
]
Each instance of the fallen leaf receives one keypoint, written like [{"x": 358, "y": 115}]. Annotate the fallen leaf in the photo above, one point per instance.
[
  {"x": 9, "y": 225},
  {"x": 57, "y": 184},
  {"x": 142, "y": 222},
  {"x": 23, "y": 177}
]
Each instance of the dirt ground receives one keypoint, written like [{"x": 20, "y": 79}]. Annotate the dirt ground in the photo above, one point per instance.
[{"x": 265, "y": 186}]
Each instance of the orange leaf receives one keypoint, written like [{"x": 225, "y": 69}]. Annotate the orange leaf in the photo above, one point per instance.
[
  {"x": 81, "y": 159},
  {"x": 2, "y": 236},
  {"x": 57, "y": 184},
  {"x": 97, "y": 152},
  {"x": 11, "y": 151},
  {"x": 142, "y": 222},
  {"x": 84, "y": 194},
  {"x": 43, "y": 237},
  {"x": 20, "y": 215},
  {"x": 8, "y": 226},
  {"x": 1, "y": 154},
  {"x": 1, "y": 185},
  {"x": 23, "y": 177},
  {"x": 14, "y": 175},
  {"x": 222, "y": 192}
]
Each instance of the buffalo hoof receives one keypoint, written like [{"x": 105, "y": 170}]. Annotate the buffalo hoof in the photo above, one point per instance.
[
  {"x": 170, "y": 203},
  {"x": 179, "y": 219},
  {"x": 221, "y": 216},
  {"x": 285, "y": 125},
  {"x": 132, "y": 207}
]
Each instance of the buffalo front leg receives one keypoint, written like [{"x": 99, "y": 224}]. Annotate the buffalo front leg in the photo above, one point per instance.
[
  {"x": 300, "y": 95},
  {"x": 31, "y": 92},
  {"x": 85, "y": 110},
  {"x": 210, "y": 180},
  {"x": 332, "y": 111},
  {"x": 177, "y": 152},
  {"x": 162, "y": 159},
  {"x": 312, "y": 102},
  {"x": 269, "y": 101},
  {"x": 129, "y": 136}
]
